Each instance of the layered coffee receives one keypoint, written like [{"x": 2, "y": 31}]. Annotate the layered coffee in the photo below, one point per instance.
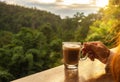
[{"x": 71, "y": 53}]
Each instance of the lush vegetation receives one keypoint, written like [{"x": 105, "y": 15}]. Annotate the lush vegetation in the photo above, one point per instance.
[{"x": 30, "y": 39}]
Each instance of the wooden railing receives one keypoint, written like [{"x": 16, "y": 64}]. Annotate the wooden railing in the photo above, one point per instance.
[{"x": 89, "y": 71}]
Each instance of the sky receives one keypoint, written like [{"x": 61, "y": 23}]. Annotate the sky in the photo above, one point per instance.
[{"x": 62, "y": 8}]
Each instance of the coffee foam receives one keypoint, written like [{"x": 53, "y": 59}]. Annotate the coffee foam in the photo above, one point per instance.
[{"x": 71, "y": 46}]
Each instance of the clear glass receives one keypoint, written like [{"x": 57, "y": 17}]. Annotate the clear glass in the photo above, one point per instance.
[{"x": 72, "y": 54}]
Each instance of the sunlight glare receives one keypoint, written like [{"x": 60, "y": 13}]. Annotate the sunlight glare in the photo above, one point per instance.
[{"x": 101, "y": 3}]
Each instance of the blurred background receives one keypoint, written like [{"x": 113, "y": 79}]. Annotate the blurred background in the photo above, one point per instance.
[{"x": 32, "y": 31}]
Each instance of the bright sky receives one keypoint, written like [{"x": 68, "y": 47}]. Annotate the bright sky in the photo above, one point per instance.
[
  {"x": 99, "y": 3},
  {"x": 62, "y": 7}
]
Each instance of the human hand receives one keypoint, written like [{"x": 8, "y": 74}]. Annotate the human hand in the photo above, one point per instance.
[{"x": 96, "y": 50}]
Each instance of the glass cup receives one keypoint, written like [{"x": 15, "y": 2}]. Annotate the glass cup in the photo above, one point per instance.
[{"x": 72, "y": 54}]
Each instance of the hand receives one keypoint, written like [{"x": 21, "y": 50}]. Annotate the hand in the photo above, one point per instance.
[{"x": 96, "y": 50}]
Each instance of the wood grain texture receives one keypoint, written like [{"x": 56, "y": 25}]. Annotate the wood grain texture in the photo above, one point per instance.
[{"x": 89, "y": 71}]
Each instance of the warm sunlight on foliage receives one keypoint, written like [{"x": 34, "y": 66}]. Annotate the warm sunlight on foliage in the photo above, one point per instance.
[{"x": 107, "y": 27}]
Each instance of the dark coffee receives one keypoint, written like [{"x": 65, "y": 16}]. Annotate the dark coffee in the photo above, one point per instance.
[{"x": 71, "y": 54}]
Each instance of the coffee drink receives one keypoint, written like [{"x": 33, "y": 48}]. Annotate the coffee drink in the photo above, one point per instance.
[{"x": 71, "y": 53}]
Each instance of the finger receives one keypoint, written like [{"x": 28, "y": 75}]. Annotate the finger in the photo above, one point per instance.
[
  {"x": 91, "y": 57},
  {"x": 86, "y": 47},
  {"x": 93, "y": 42}
]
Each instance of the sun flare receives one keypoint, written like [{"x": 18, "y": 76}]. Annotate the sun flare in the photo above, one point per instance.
[{"x": 101, "y": 3}]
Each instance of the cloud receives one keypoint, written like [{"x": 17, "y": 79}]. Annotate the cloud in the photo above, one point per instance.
[{"x": 57, "y": 6}]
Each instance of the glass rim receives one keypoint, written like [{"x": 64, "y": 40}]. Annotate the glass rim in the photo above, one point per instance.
[{"x": 71, "y": 42}]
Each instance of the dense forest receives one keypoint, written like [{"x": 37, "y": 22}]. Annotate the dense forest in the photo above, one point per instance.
[{"x": 31, "y": 39}]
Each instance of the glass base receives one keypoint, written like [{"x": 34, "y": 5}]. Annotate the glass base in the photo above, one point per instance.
[{"x": 67, "y": 66}]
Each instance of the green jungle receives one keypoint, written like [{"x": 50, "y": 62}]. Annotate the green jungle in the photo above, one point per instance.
[{"x": 31, "y": 39}]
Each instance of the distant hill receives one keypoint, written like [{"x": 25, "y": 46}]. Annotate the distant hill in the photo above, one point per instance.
[{"x": 13, "y": 17}]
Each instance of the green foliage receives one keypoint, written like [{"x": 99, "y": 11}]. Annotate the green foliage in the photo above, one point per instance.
[
  {"x": 5, "y": 76},
  {"x": 83, "y": 26},
  {"x": 107, "y": 28},
  {"x": 56, "y": 52},
  {"x": 28, "y": 52},
  {"x": 13, "y": 18},
  {"x": 5, "y": 38},
  {"x": 31, "y": 49},
  {"x": 101, "y": 33},
  {"x": 68, "y": 29}
]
